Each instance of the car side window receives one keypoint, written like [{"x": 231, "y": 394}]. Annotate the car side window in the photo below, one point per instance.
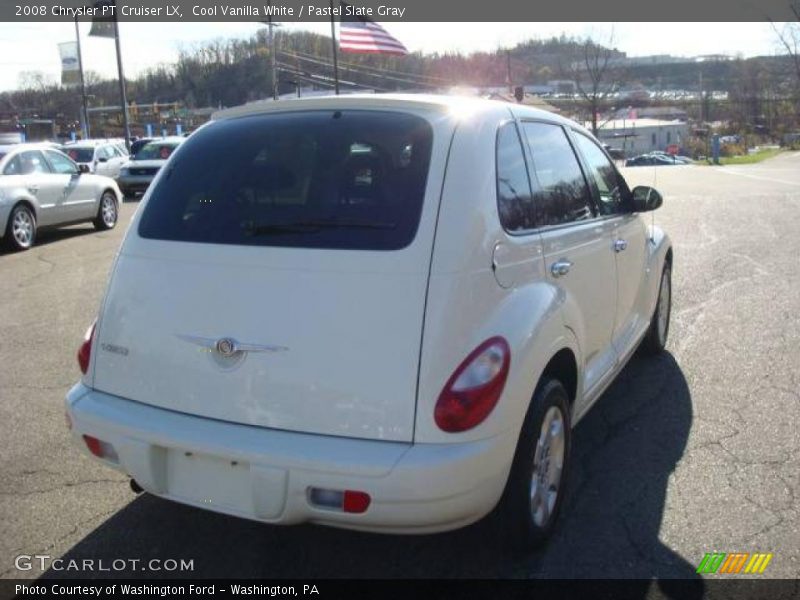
[
  {"x": 601, "y": 169},
  {"x": 32, "y": 162},
  {"x": 61, "y": 164},
  {"x": 514, "y": 199},
  {"x": 559, "y": 188},
  {"x": 14, "y": 167}
]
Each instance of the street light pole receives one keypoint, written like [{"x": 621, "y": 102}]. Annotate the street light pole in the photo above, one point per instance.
[
  {"x": 84, "y": 107},
  {"x": 122, "y": 92}
]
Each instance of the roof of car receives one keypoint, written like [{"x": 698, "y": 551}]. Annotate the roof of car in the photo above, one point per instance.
[
  {"x": 29, "y": 146},
  {"x": 169, "y": 139},
  {"x": 85, "y": 143},
  {"x": 431, "y": 101},
  {"x": 91, "y": 143}
]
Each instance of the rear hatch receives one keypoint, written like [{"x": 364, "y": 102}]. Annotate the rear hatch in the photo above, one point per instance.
[{"x": 276, "y": 274}]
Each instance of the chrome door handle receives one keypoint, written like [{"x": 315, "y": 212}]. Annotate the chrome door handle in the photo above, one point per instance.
[
  {"x": 560, "y": 268},
  {"x": 620, "y": 245}
]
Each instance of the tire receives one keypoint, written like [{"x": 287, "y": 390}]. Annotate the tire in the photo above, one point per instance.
[
  {"x": 655, "y": 340},
  {"x": 107, "y": 212},
  {"x": 21, "y": 228},
  {"x": 528, "y": 510}
]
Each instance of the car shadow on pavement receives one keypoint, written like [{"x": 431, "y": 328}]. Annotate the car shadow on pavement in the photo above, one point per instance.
[
  {"x": 623, "y": 454},
  {"x": 49, "y": 236}
]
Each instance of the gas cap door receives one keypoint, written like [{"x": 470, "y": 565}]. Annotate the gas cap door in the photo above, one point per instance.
[
  {"x": 502, "y": 266},
  {"x": 517, "y": 261}
]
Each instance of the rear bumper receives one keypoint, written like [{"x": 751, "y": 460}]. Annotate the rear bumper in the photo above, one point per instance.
[
  {"x": 134, "y": 183},
  {"x": 265, "y": 474}
]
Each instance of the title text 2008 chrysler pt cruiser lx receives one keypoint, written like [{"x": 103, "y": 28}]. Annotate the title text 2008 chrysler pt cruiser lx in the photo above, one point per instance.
[{"x": 383, "y": 313}]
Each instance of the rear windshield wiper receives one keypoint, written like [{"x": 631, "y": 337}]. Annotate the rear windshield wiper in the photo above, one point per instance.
[{"x": 314, "y": 225}]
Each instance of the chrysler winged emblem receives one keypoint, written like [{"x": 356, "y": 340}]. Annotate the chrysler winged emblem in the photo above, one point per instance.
[{"x": 227, "y": 347}]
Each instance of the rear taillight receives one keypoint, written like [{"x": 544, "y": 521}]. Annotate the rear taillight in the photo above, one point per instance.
[
  {"x": 85, "y": 351},
  {"x": 474, "y": 388}
]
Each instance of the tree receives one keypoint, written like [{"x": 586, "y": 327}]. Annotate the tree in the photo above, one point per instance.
[
  {"x": 37, "y": 81},
  {"x": 789, "y": 38},
  {"x": 596, "y": 71}
]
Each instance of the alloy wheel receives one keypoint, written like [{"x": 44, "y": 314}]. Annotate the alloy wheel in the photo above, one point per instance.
[
  {"x": 548, "y": 467},
  {"x": 108, "y": 210},
  {"x": 22, "y": 227}
]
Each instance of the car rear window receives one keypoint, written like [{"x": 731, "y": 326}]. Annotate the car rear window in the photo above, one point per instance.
[
  {"x": 81, "y": 155},
  {"x": 155, "y": 151},
  {"x": 345, "y": 179}
]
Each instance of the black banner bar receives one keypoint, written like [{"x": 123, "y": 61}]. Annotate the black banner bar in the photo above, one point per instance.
[
  {"x": 402, "y": 10},
  {"x": 583, "y": 589}
]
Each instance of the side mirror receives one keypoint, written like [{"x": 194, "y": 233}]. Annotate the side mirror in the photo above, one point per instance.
[
  {"x": 102, "y": 159},
  {"x": 646, "y": 199},
  {"x": 83, "y": 168}
]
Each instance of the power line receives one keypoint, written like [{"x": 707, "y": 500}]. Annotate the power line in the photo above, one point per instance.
[
  {"x": 358, "y": 71},
  {"x": 322, "y": 79},
  {"x": 380, "y": 71}
]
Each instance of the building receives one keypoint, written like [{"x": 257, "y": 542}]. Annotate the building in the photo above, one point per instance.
[{"x": 640, "y": 136}]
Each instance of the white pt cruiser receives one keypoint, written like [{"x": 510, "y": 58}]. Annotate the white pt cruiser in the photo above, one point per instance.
[{"x": 383, "y": 313}]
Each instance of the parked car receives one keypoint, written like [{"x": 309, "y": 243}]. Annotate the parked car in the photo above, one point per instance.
[
  {"x": 383, "y": 312},
  {"x": 138, "y": 144},
  {"x": 676, "y": 158},
  {"x": 136, "y": 175},
  {"x": 655, "y": 160},
  {"x": 119, "y": 143},
  {"x": 616, "y": 153},
  {"x": 100, "y": 157},
  {"x": 41, "y": 187}
]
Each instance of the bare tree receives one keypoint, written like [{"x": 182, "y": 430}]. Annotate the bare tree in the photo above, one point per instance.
[
  {"x": 35, "y": 81},
  {"x": 596, "y": 71},
  {"x": 789, "y": 37}
]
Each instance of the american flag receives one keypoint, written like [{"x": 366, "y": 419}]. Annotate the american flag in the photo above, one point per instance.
[{"x": 360, "y": 35}]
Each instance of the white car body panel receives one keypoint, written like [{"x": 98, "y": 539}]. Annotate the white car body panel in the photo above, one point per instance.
[
  {"x": 367, "y": 340},
  {"x": 332, "y": 311}
]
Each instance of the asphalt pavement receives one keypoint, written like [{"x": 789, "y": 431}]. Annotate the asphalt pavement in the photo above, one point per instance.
[{"x": 691, "y": 452}]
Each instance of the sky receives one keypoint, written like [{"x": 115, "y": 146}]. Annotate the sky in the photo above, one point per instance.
[{"x": 33, "y": 46}]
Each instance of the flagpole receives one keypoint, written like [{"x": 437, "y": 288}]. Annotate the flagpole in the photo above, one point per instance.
[
  {"x": 85, "y": 113},
  {"x": 122, "y": 93},
  {"x": 335, "y": 57}
]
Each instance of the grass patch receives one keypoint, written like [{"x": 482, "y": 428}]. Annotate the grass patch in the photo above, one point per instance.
[{"x": 749, "y": 159}]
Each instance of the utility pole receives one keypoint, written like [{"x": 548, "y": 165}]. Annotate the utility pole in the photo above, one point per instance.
[
  {"x": 123, "y": 94},
  {"x": 703, "y": 116},
  {"x": 272, "y": 54},
  {"x": 85, "y": 109},
  {"x": 508, "y": 72}
]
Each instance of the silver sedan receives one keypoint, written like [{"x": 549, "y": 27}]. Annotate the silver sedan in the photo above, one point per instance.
[{"x": 41, "y": 187}]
